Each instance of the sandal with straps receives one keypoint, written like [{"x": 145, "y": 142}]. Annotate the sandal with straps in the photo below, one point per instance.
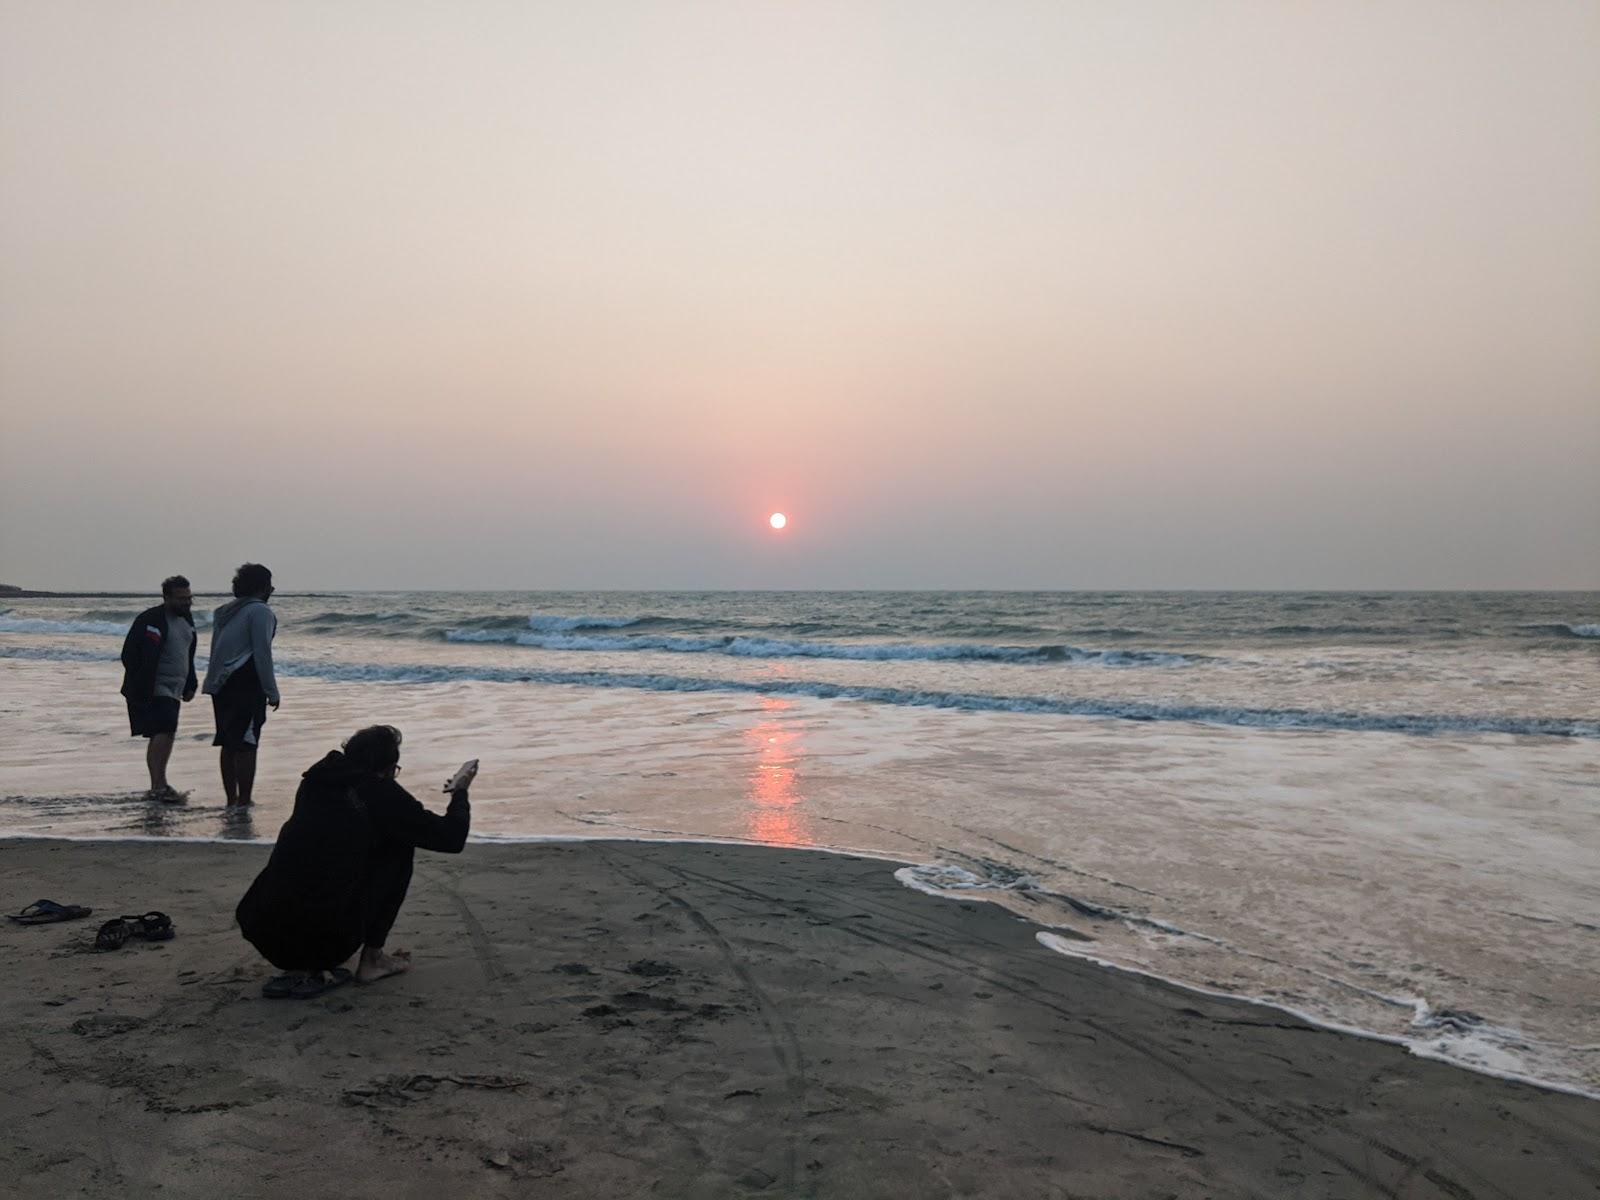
[{"x": 152, "y": 927}]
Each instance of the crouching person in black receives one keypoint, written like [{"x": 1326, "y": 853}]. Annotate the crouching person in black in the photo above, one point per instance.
[{"x": 342, "y": 864}]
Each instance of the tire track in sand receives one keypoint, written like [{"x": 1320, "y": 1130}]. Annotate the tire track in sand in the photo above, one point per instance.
[
  {"x": 780, "y": 1035},
  {"x": 494, "y": 971}
]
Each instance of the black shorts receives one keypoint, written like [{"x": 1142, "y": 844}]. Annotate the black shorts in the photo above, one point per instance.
[
  {"x": 158, "y": 714},
  {"x": 241, "y": 710}
]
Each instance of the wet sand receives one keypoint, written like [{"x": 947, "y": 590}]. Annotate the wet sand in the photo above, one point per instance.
[{"x": 615, "y": 1019}]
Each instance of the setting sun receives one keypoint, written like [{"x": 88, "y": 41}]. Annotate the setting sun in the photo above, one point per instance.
[{"x": 777, "y": 520}]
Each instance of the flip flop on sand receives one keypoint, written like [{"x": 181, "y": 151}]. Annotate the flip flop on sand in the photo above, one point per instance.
[
  {"x": 318, "y": 982},
  {"x": 152, "y": 927},
  {"x": 47, "y": 912},
  {"x": 302, "y": 985}
]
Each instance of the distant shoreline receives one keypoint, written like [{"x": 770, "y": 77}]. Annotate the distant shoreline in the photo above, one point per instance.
[
  {"x": 9, "y": 592},
  {"x": 30, "y": 594}
]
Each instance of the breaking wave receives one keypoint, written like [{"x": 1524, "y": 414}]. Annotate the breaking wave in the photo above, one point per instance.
[
  {"x": 1561, "y": 629},
  {"x": 755, "y": 647},
  {"x": 556, "y": 624}
]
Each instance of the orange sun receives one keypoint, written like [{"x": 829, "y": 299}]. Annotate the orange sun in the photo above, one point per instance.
[{"x": 777, "y": 520}]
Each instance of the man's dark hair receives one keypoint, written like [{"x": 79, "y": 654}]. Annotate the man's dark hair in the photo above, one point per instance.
[
  {"x": 251, "y": 579},
  {"x": 375, "y": 748},
  {"x": 172, "y": 583}
]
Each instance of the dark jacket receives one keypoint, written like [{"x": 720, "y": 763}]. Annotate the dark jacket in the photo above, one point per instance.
[
  {"x": 141, "y": 651},
  {"x": 307, "y": 909}
]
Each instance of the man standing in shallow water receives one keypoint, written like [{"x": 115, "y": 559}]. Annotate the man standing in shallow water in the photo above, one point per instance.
[
  {"x": 158, "y": 675},
  {"x": 239, "y": 678}
]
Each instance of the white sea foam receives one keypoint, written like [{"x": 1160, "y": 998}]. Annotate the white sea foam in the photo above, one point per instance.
[
  {"x": 551, "y": 623},
  {"x": 940, "y": 879},
  {"x": 1460, "y": 1038},
  {"x": 945, "y": 879},
  {"x": 1450, "y": 1036},
  {"x": 1485, "y": 1049},
  {"x": 755, "y": 647},
  {"x": 1560, "y": 629},
  {"x": 578, "y": 641}
]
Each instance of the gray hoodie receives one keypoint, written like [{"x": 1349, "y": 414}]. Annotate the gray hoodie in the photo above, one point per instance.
[{"x": 242, "y": 630}]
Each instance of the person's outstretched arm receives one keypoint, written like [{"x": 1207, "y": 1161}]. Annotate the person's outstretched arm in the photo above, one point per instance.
[{"x": 400, "y": 815}]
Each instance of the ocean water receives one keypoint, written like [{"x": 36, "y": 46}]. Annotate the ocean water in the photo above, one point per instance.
[{"x": 1378, "y": 810}]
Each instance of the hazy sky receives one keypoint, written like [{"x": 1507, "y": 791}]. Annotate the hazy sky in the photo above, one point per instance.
[{"x": 1187, "y": 294}]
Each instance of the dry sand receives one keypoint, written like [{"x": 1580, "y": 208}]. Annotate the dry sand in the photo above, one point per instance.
[{"x": 616, "y": 1019}]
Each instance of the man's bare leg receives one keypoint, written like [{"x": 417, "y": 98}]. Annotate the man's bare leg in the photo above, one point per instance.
[
  {"x": 375, "y": 964},
  {"x": 244, "y": 776},
  {"x": 156, "y": 755},
  {"x": 230, "y": 779}
]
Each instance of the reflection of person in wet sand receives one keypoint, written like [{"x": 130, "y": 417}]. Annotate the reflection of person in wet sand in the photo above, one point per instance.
[{"x": 341, "y": 866}]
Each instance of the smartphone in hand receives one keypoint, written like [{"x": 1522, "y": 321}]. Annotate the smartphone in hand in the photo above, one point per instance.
[{"x": 464, "y": 777}]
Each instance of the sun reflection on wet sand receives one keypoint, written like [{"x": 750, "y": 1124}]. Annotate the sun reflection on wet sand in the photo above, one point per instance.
[{"x": 774, "y": 798}]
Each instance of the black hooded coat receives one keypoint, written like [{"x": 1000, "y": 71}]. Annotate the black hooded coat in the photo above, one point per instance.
[{"x": 310, "y": 907}]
